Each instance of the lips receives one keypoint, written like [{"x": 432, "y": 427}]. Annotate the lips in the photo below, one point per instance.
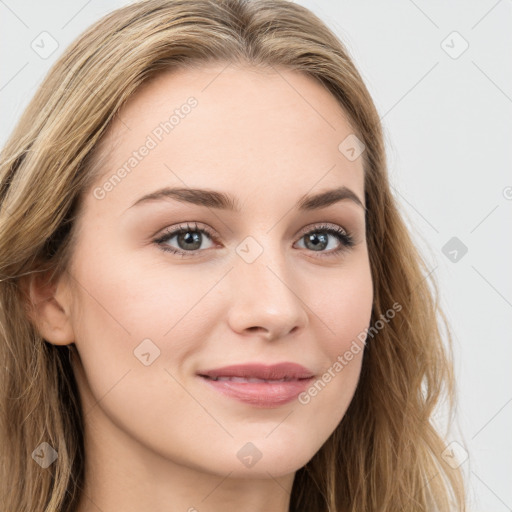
[
  {"x": 257, "y": 372},
  {"x": 259, "y": 385}
]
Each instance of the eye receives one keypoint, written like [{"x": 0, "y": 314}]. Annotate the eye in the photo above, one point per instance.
[
  {"x": 317, "y": 239},
  {"x": 190, "y": 238}
]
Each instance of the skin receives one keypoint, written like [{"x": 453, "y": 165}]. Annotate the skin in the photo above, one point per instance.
[{"x": 157, "y": 437}]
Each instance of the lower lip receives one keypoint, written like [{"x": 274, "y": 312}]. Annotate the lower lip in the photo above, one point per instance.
[{"x": 260, "y": 394}]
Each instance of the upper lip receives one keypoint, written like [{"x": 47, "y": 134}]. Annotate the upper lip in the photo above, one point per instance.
[{"x": 261, "y": 371}]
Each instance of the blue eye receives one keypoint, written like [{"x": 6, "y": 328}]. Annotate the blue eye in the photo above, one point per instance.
[
  {"x": 190, "y": 237},
  {"x": 318, "y": 238}
]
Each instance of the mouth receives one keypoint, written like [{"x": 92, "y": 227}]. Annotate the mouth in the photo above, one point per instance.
[
  {"x": 259, "y": 385},
  {"x": 277, "y": 372},
  {"x": 251, "y": 379}
]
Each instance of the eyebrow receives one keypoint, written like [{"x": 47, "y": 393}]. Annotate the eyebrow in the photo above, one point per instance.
[{"x": 223, "y": 201}]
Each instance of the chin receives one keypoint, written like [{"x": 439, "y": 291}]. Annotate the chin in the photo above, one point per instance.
[{"x": 262, "y": 457}]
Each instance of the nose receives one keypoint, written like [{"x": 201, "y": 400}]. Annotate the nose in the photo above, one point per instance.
[{"x": 265, "y": 300}]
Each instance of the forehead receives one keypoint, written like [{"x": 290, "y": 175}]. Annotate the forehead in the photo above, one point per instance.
[{"x": 241, "y": 130}]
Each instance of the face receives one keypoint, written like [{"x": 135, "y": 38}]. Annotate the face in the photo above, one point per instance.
[{"x": 264, "y": 277}]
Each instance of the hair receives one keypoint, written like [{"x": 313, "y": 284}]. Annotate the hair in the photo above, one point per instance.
[{"x": 386, "y": 453}]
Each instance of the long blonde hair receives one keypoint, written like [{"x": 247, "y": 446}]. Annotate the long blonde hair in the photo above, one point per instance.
[{"x": 385, "y": 455}]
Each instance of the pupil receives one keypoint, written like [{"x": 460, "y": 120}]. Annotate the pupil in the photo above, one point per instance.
[
  {"x": 317, "y": 241},
  {"x": 189, "y": 238}
]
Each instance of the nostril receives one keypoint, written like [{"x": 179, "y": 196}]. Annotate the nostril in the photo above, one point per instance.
[{"x": 256, "y": 328}]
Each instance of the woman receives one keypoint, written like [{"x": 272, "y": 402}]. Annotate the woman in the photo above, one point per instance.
[{"x": 209, "y": 298}]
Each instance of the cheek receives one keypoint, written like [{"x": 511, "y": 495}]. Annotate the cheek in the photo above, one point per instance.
[
  {"x": 343, "y": 304},
  {"x": 137, "y": 329},
  {"x": 143, "y": 319},
  {"x": 343, "y": 308},
  {"x": 136, "y": 297}
]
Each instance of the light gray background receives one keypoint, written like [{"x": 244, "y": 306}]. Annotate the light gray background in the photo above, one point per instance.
[{"x": 448, "y": 125}]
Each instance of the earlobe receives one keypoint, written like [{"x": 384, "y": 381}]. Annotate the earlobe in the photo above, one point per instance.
[{"x": 48, "y": 307}]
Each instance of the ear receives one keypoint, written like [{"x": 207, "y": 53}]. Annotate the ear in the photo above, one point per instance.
[{"x": 49, "y": 306}]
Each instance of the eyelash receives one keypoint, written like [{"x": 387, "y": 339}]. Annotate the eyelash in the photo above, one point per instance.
[{"x": 341, "y": 234}]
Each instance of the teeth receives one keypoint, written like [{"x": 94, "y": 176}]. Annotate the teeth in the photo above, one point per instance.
[{"x": 250, "y": 379}]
